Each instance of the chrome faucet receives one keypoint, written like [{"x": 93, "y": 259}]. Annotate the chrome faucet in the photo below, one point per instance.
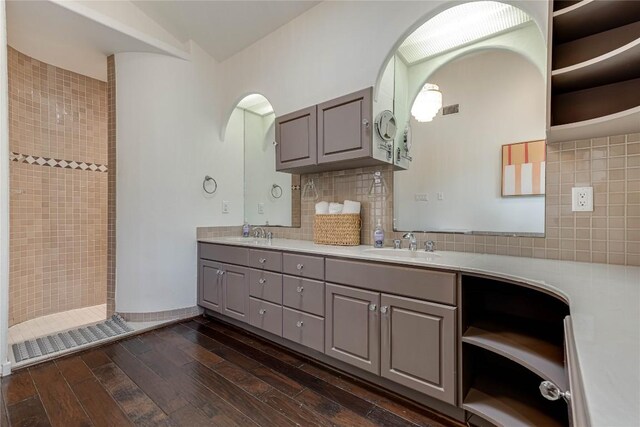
[
  {"x": 413, "y": 243},
  {"x": 430, "y": 246},
  {"x": 258, "y": 232}
]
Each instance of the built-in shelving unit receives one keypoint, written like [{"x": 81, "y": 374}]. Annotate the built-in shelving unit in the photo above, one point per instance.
[
  {"x": 512, "y": 339},
  {"x": 595, "y": 75}
]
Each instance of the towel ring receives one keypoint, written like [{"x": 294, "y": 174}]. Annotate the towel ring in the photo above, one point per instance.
[
  {"x": 204, "y": 185},
  {"x": 276, "y": 189}
]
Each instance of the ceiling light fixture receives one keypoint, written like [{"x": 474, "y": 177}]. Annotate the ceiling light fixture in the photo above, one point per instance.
[{"x": 427, "y": 103}]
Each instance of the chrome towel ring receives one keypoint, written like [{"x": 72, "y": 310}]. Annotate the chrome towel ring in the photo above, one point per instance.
[
  {"x": 204, "y": 185},
  {"x": 276, "y": 191}
]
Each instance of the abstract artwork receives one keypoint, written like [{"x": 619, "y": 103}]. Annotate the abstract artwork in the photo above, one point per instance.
[{"x": 523, "y": 168}]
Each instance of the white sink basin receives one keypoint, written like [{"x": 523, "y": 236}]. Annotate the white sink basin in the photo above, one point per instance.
[{"x": 403, "y": 253}]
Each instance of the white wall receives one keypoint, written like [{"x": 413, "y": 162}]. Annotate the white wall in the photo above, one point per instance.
[
  {"x": 167, "y": 136},
  {"x": 333, "y": 49},
  {"x": 502, "y": 99}
]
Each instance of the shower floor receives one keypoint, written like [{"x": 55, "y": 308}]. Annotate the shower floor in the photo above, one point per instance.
[{"x": 57, "y": 322}]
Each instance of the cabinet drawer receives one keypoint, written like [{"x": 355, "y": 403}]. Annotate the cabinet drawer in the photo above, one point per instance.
[
  {"x": 265, "y": 260},
  {"x": 222, "y": 253},
  {"x": 266, "y": 286},
  {"x": 303, "y": 294},
  {"x": 266, "y": 316},
  {"x": 303, "y": 328},
  {"x": 303, "y": 265},
  {"x": 438, "y": 286}
]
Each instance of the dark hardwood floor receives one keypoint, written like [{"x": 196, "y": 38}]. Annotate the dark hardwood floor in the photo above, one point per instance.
[{"x": 198, "y": 373}]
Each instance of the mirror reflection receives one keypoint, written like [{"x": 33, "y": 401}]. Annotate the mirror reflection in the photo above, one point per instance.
[
  {"x": 470, "y": 97},
  {"x": 268, "y": 196}
]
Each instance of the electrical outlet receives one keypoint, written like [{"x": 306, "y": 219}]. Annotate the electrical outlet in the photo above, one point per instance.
[
  {"x": 421, "y": 197},
  {"x": 582, "y": 199},
  {"x": 440, "y": 196},
  {"x": 225, "y": 206},
  {"x": 261, "y": 208}
]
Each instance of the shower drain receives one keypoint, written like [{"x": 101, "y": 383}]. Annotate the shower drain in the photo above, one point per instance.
[{"x": 65, "y": 340}]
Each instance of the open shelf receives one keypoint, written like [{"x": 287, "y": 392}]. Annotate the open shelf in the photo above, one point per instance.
[
  {"x": 618, "y": 65},
  {"x": 588, "y": 48},
  {"x": 562, "y": 4},
  {"x": 596, "y": 102},
  {"x": 590, "y": 17},
  {"x": 536, "y": 354},
  {"x": 624, "y": 122},
  {"x": 506, "y": 394}
]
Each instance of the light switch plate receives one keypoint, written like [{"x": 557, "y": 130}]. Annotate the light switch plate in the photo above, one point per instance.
[
  {"x": 422, "y": 197},
  {"x": 440, "y": 195},
  {"x": 582, "y": 199},
  {"x": 225, "y": 206},
  {"x": 261, "y": 208}
]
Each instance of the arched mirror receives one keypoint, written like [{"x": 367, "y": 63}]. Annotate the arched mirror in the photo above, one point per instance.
[
  {"x": 270, "y": 198},
  {"x": 470, "y": 99}
]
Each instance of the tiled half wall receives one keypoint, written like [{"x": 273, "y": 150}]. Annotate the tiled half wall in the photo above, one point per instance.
[
  {"x": 58, "y": 189},
  {"x": 609, "y": 234}
]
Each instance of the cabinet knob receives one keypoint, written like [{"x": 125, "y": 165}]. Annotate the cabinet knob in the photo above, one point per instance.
[
  {"x": 373, "y": 307},
  {"x": 262, "y": 281},
  {"x": 300, "y": 289},
  {"x": 384, "y": 309},
  {"x": 300, "y": 266},
  {"x": 262, "y": 260},
  {"x": 299, "y": 323},
  {"x": 275, "y": 143},
  {"x": 550, "y": 391},
  {"x": 222, "y": 272},
  {"x": 365, "y": 123},
  {"x": 262, "y": 311}
]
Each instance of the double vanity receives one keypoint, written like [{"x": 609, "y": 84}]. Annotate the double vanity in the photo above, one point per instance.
[{"x": 483, "y": 338}]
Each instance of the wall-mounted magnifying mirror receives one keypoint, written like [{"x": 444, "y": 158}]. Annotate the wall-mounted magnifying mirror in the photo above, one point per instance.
[
  {"x": 386, "y": 125},
  {"x": 470, "y": 94},
  {"x": 270, "y": 198}
]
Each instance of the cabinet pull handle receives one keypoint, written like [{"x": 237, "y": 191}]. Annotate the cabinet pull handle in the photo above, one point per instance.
[
  {"x": 373, "y": 307},
  {"x": 262, "y": 281},
  {"x": 300, "y": 266},
  {"x": 262, "y": 311},
  {"x": 300, "y": 289},
  {"x": 299, "y": 323},
  {"x": 384, "y": 309},
  {"x": 550, "y": 391},
  {"x": 262, "y": 260}
]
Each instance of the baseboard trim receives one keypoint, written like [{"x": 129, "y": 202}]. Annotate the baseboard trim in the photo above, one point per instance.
[{"x": 176, "y": 314}]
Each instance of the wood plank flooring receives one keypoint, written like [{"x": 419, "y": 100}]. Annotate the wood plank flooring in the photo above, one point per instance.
[{"x": 198, "y": 373}]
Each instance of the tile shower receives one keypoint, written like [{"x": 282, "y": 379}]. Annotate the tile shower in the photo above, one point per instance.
[{"x": 58, "y": 189}]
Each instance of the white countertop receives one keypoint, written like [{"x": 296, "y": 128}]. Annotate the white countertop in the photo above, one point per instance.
[{"x": 604, "y": 303}]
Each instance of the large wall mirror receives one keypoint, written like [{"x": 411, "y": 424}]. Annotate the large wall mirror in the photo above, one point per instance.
[
  {"x": 470, "y": 95},
  {"x": 270, "y": 198}
]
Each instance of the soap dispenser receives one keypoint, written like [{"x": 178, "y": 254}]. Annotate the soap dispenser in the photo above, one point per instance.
[
  {"x": 378, "y": 235},
  {"x": 245, "y": 229}
]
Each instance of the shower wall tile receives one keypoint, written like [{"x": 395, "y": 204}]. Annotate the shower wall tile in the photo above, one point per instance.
[
  {"x": 609, "y": 234},
  {"x": 58, "y": 203}
]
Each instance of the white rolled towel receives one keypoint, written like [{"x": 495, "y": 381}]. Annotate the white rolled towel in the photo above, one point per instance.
[
  {"x": 351, "y": 207},
  {"x": 335, "y": 208},
  {"x": 322, "y": 208}
]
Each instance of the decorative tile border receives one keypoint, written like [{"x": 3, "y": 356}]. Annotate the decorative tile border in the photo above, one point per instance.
[{"x": 55, "y": 163}]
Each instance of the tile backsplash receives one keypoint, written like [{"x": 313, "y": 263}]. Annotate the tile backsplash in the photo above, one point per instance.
[
  {"x": 58, "y": 187},
  {"x": 610, "y": 234}
]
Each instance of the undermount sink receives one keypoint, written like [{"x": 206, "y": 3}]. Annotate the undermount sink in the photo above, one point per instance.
[{"x": 403, "y": 253}]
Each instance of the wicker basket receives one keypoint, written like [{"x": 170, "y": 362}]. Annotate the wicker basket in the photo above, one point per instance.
[{"x": 338, "y": 229}]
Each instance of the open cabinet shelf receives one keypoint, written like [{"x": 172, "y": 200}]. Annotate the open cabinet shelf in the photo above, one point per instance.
[
  {"x": 509, "y": 397},
  {"x": 536, "y": 354},
  {"x": 595, "y": 75}
]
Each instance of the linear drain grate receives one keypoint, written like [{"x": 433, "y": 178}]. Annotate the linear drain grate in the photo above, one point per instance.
[{"x": 65, "y": 340}]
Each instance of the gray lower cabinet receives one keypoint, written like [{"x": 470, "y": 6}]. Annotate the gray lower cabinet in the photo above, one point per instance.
[
  {"x": 352, "y": 326},
  {"x": 235, "y": 292},
  {"x": 303, "y": 328},
  {"x": 266, "y": 316},
  {"x": 210, "y": 285},
  {"x": 428, "y": 330}
]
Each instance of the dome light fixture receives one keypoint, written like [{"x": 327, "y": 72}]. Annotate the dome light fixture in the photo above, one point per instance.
[{"x": 427, "y": 103}]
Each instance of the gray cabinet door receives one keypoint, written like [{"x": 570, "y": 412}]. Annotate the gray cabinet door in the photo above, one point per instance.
[
  {"x": 296, "y": 139},
  {"x": 345, "y": 127},
  {"x": 209, "y": 285},
  {"x": 235, "y": 292},
  {"x": 352, "y": 326},
  {"x": 418, "y": 345}
]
